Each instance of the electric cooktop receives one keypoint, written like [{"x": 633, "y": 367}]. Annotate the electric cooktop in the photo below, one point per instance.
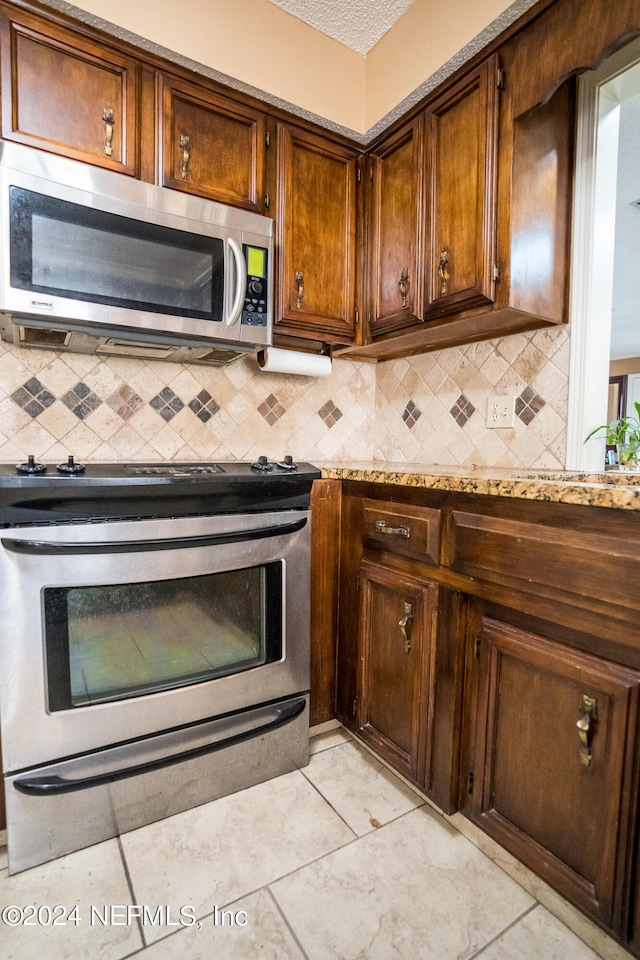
[{"x": 44, "y": 493}]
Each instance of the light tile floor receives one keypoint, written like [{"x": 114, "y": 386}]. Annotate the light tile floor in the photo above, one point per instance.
[{"x": 339, "y": 861}]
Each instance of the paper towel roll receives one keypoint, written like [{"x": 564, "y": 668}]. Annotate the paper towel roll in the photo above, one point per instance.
[{"x": 273, "y": 360}]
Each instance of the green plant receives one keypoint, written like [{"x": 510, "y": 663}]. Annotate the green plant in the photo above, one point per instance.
[{"x": 623, "y": 430}]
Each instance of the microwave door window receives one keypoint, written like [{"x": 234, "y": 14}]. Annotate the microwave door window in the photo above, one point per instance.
[{"x": 67, "y": 250}]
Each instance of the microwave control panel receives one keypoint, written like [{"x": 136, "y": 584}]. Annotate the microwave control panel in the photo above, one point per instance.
[{"x": 254, "y": 310}]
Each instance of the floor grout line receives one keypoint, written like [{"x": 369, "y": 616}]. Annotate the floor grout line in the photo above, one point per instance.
[
  {"x": 286, "y": 921},
  {"x": 509, "y": 926},
  {"x": 132, "y": 893}
]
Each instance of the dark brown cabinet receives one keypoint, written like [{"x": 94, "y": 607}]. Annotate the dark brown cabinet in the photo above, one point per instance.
[
  {"x": 395, "y": 265},
  {"x": 490, "y": 195},
  {"x": 553, "y": 778},
  {"x": 211, "y": 147},
  {"x": 399, "y": 659},
  {"x": 316, "y": 237},
  {"x": 461, "y": 137},
  {"x": 396, "y": 647},
  {"x": 433, "y": 212},
  {"x": 68, "y": 94},
  {"x": 521, "y": 707}
]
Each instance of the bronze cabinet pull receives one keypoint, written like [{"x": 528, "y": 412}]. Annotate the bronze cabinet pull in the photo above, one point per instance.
[
  {"x": 109, "y": 120},
  {"x": 401, "y": 531},
  {"x": 185, "y": 143},
  {"x": 403, "y": 283},
  {"x": 585, "y": 727},
  {"x": 404, "y": 626},
  {"x": 443, "y": 274},
  {"x": 300, "y": 293}
]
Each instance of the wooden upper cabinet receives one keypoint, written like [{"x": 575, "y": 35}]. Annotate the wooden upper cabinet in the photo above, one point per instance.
[
  {"x": 68, "y": 94},
  {"x": 396, "y": 222},
  {"x": 461, "y": 136},
  {"x": 211, "y": 146},
  {"x": 316, "y": 234}
]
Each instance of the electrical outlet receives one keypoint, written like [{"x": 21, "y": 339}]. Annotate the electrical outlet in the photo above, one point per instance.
[{"x": 501, "y": 412}]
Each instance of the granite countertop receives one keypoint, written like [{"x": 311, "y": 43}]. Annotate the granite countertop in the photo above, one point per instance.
[{"x": 617, "y": 489}]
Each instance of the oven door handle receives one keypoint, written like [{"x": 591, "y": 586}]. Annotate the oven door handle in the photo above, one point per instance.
[
  {"x": 55, "y": 785},
  {"x": 41, "y": 547}
]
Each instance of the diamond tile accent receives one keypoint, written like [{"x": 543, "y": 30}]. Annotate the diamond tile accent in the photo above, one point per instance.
[
  {"x": 167, "y": 403},
  {"x": 330, "y": 414},
  {"x": 125, "y": 401},
  {"x": 411, "y": 414},
  {"x": 528, "y": 404},
  {"x": 462, "y": 410},
  {"x": 81, "y": 400},
  {"x": 33, "y": 397},
  {"x": 204, "y": 406},
  {"x": 223, "y": 422},
  {"x": 271, "y": 409}
]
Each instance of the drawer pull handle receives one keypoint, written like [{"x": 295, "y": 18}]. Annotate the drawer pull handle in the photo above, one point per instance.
[
  {"x": 585, "y": 727},
  {"x": 109, "y": 120},
  {"x": 185, "y": 143},
  {"x": 404, "y": 626},
  {"x": 401, "y": 531},
  {"x": 300, "y": 293},
  {"x": 403, "y": 283}
]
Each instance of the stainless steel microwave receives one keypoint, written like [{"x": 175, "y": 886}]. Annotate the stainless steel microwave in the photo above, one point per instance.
[{"x": 93, "y": 261}]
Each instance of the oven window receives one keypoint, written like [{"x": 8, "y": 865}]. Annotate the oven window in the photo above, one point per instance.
[{"x": 116, "y": 641}]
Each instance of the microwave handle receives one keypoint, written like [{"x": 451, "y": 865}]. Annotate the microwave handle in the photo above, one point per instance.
[{"x": 241, "y": 282}]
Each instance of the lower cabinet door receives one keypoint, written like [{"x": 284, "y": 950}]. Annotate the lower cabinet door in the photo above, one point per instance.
[
  {"x": 553, "y": 777},
  {"x": 396, "y": 647}
]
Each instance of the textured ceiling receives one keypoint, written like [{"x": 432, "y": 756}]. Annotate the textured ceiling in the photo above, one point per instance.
[{"x": 358, "y": 24}]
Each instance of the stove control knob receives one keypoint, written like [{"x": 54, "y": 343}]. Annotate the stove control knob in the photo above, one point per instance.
[
  {"x": 71, "y": 468},
  {"x": 31, "y": 467},
  {"x": 262, "y": 464},
  {"x": 287, "y": 463}
]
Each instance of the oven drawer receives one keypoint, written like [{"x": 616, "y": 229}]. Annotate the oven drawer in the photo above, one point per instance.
[
  {"x": 54, "y": 810},
  {"x": 404, "y": 529}
]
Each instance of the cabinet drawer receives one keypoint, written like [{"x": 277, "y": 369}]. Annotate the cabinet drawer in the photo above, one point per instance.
[
  {"x": 548, "y": 559},
  {"x": 399, "y": 528}
]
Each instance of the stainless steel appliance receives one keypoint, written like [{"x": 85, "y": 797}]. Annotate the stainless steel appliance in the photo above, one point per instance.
[
  {"x": 154, "y": 640},
  {"x": 96, "y": 262}
]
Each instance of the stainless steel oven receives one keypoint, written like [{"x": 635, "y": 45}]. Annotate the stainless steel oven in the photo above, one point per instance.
[{"x": 151, "y": 663}]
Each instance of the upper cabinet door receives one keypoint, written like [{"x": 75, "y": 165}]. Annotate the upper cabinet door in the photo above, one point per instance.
[
  {"x": 68, "y": 94},
  {"x": 316, "y": 217},
  {"x": 395, "y": 257},
  {"x": 461, "y": 193},
  {"x": 211, "y": 146}
]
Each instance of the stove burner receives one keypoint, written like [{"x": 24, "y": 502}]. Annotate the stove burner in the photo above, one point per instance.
[
  {"x": 31, "y": 467},
  {"x": 262, "y": 465},
  {"x": 70, "y": 467},
  {"x": 287, "y": 464}
]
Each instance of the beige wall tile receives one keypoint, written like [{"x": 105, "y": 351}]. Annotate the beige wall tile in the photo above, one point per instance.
[{"x": 369, "y": 403}]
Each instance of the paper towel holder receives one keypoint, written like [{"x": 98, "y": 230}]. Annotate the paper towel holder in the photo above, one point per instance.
[{"x": 297, "y": 362}]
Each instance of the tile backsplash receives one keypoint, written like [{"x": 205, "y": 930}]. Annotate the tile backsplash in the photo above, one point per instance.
[{"x": 428, "y": 409}]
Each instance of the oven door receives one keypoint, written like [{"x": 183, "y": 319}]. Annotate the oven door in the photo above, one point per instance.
[{"x": 120, "y": 630}]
